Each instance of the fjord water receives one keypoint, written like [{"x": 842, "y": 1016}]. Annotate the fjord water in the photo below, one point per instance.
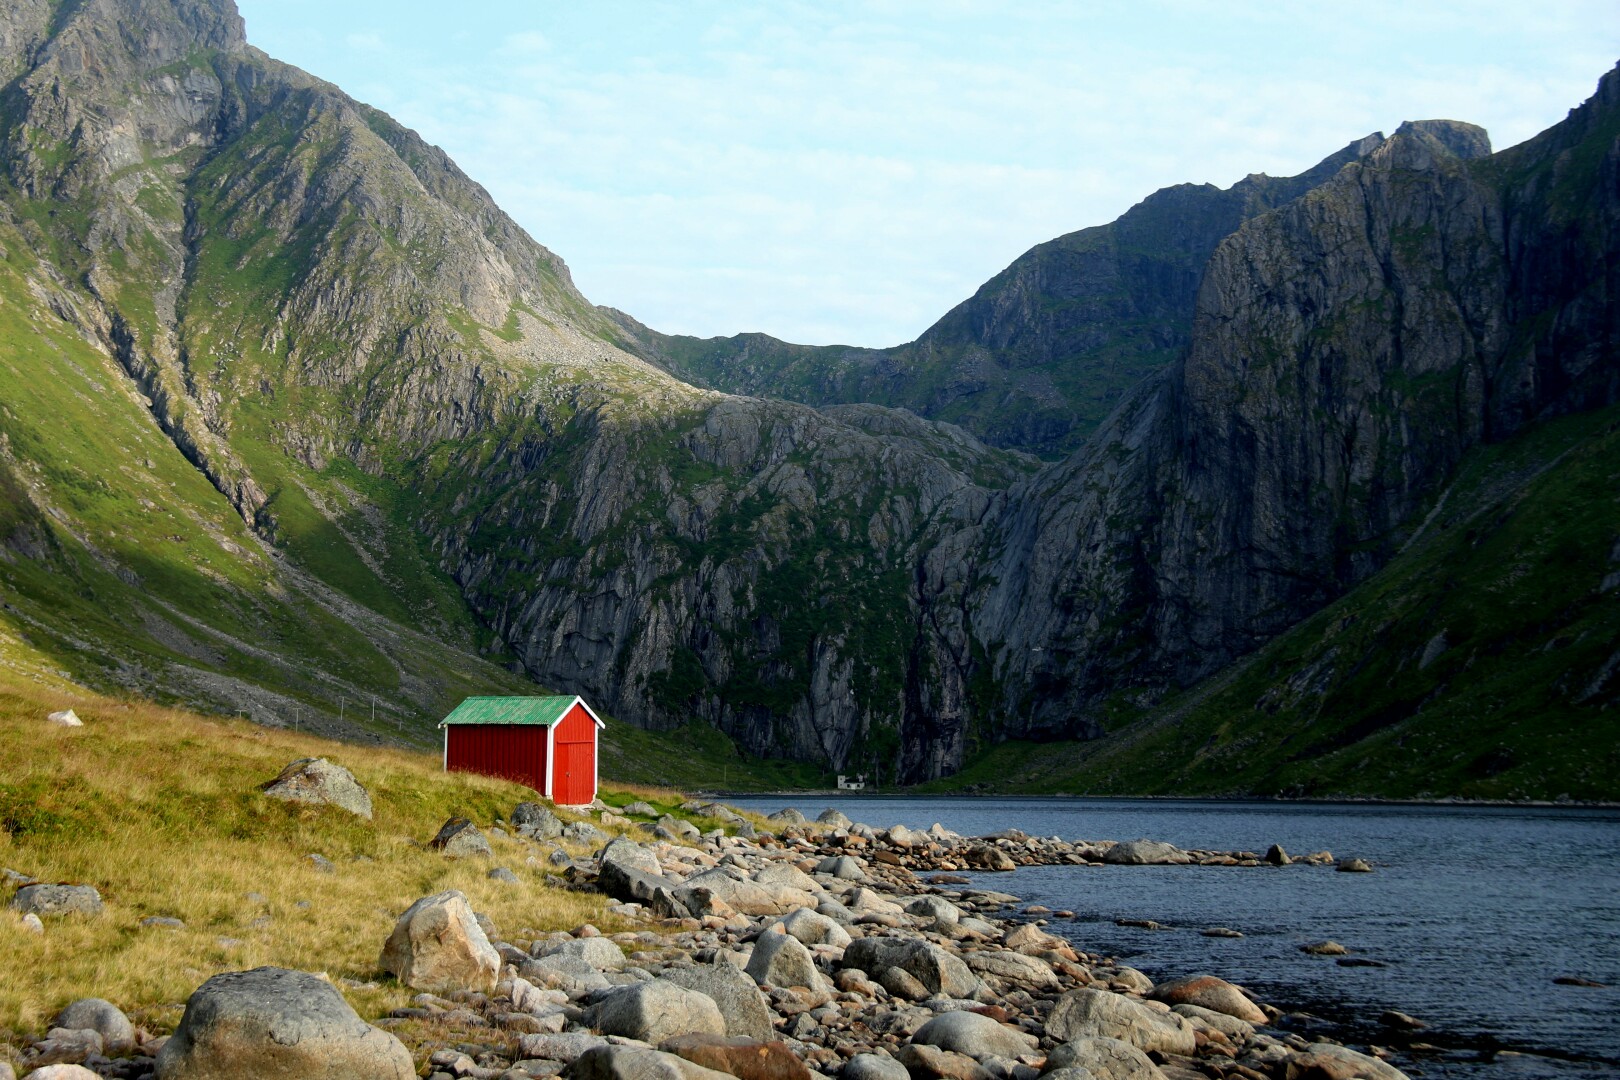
[{"x": 1474, "y": 910}]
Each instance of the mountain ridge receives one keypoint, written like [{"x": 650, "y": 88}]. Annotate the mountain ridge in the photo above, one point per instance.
[{"x": 405, "y": 404}]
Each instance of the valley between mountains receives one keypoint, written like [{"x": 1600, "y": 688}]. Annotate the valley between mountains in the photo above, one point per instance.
[{"x": 1305, "y": 486}]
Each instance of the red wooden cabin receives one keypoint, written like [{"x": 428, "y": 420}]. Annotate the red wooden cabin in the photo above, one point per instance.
[{"x": 548, "y": 743}]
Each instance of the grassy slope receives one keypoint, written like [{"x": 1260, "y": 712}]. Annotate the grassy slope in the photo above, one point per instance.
[
  {"x": 1520, "y": 698},
  {"x": 122, "y": 568},
  {"x": 161, "y": 811}
]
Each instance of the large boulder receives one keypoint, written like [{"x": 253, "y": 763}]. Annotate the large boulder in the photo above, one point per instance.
[
  {"x": 615, "y": 1062},
  {"x": 746, "y": 897},
  {"x": 989, "y": 857},
  {"x": 923, "y": 1062},
  {"x": 1145, "y": 853},
  {"x": 320, "y": 783},
  {"x": 460, "y": 839},
  {"x": 901, "y": 837},
  {"x": 600, "y": 953},
  {"x": 533, "y": 820},
  {"x": 1105, "y": 1059},
  {"x": 270, "y": 1022},
  {"x": 654, "y": 1011},
  {"x": 844, "y": 867},
  {"x": 624, "y": 882},
  {"x": 621, "y": 851},
  {"x": 45, "y": 900},
  {"x": 67, "y": 1045},
  {"x": 1091, "y": 1013},
  {"x": 874, "y": 1067},
  {"x": 813, "y": 928},
  {"x": 1234, "y": 1029},
  {"x": 102, "y": 1017},
  {"x": 569, "y": 974},
  {"x": 438, "y": 946},
  {"x": 1331, "y": 1059},
  {"x": 1026, "y": 972},
  {"x": 565, "y": 1047},
  {"x": 785, "y": 873},
  {"x": 1206, "y": 991},
  {"x": 1030, "y": 938},
  {"x": 746, "y": 1059},
  {"x": 934, "y": 907},
  {"x": 782, "y": 960},
  {"x": 583, "y": 832},
  {"x": 833, "y": 819},
  {"x": 788, "y": 816},
  {"x": 868, "y": 902},
  {"x": 65, "y": 718},
  {"x": 976, "y": 1035},
  {"x": 745, "y": 1008},
  {"x": 937, "y": 970}
]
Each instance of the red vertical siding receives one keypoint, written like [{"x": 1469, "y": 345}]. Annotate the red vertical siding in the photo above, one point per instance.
[
  {"x": 573, "y": 783},
  {"x": 507, "y": 751}
]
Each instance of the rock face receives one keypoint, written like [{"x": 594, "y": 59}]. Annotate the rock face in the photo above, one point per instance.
[
  {"x": 321, "y": 783},
  {"x": 438, "y": 946},
  {"x": 274, "y": 1022}
]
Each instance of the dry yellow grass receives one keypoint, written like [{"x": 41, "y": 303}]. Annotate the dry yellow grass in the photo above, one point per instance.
[{"x": 161, "y": 811}]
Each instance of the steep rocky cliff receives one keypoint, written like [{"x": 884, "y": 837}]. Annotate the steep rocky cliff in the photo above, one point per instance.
[
  {"x": 1044, "y": 351},
  {"x": 399, "y": 412},
  {"x": 1349, "y": 350}
]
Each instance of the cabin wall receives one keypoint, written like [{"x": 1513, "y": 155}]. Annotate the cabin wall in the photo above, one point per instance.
[{"x": 504, "y": 751}]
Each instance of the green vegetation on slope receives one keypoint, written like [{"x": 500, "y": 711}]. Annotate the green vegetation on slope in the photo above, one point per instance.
[
  {"x": 161, "y": 811},
  {"x": 1482, "y": 662}
]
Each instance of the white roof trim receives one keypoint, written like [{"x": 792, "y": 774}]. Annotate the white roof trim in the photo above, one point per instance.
[{"x": 590, "y": 712}]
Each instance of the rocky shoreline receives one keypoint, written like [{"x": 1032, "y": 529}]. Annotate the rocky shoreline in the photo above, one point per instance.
[{"x": 820, "y": 949}]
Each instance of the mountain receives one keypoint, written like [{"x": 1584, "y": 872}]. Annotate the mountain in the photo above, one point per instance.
[
  {"x": 1045, "y": 350},
  {"x": 230, "y": 275},
  {"x": 1350, "y": 351},
  {"x": 293, "y": 412}
]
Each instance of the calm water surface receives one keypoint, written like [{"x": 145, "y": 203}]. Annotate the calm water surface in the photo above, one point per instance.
[{"x": 1474, "y": 910}]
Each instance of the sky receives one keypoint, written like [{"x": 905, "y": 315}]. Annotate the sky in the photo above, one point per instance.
[{"x": 841, "y": 172}]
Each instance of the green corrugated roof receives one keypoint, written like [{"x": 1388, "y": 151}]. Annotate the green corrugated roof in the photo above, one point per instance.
[{"x": 542, "y": 711}]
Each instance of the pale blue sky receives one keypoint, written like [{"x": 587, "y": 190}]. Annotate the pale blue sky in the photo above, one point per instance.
[{"x": 847, "y": 172}]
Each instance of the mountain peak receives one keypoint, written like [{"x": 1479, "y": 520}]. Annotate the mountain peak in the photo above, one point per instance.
[
  {"x": 1466, "y": 141},
  {"x": 144, "y": 34}
]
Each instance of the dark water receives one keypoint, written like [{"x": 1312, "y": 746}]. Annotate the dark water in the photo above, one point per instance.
[{"x": 1474, "y": 910}]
